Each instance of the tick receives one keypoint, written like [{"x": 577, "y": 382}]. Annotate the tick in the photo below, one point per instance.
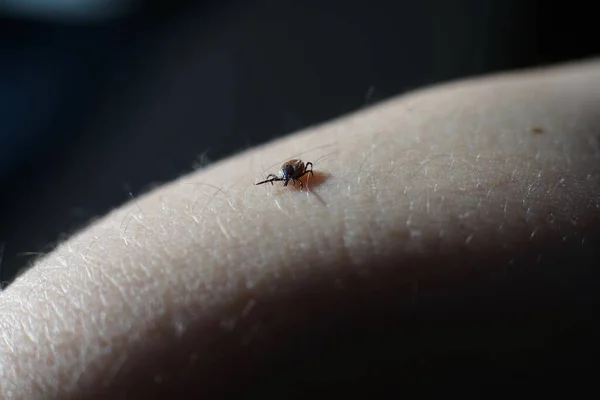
[{"x": 291, "y": 170}]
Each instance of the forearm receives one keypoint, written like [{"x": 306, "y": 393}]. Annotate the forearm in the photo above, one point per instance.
[{"x": 435, "y": 193}]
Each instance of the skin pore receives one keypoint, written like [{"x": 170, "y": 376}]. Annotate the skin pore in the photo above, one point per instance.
[{"x": 457, "y": 221}]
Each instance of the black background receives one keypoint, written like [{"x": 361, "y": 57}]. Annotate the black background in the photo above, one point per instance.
[{"x": 119, "y": 105}]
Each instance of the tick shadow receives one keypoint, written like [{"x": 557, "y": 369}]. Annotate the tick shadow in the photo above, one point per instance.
[
  {"x": 316, "y": 179},
  {"x": 312, "y": 182}
]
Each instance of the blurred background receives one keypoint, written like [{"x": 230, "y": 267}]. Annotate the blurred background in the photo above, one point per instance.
[{"x": 101, "y": 99}]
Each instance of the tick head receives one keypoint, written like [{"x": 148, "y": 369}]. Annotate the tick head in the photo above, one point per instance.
[{"x": 287, "y": 171}]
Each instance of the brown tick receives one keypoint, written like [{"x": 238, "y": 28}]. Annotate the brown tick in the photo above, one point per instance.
[{"x": 291, "y": 170}]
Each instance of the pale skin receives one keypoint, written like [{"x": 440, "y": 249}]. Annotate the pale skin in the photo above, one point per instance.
[{"x": 437, "y": 195}]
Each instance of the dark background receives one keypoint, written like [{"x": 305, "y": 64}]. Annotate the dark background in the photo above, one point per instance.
[{"x": 93, "y": 109}]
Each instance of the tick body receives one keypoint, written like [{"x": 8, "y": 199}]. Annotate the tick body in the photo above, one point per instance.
[{"x": 291, "y": 170}]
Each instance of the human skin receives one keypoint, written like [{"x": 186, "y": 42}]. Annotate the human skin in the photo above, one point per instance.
[{"x": 456, "y": 222}]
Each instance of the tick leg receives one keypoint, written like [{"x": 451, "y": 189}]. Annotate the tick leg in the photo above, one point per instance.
[
  {"x": 270, "y": 178},
  {"x": 285, "y": 183},
  {"x": 306, "y": 172}
]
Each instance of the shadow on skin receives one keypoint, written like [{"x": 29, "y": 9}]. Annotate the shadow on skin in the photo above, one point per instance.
[{"x": 315, "y": 180}]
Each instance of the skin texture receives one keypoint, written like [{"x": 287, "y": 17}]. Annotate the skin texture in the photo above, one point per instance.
[{"x": 450, "y": 230}]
